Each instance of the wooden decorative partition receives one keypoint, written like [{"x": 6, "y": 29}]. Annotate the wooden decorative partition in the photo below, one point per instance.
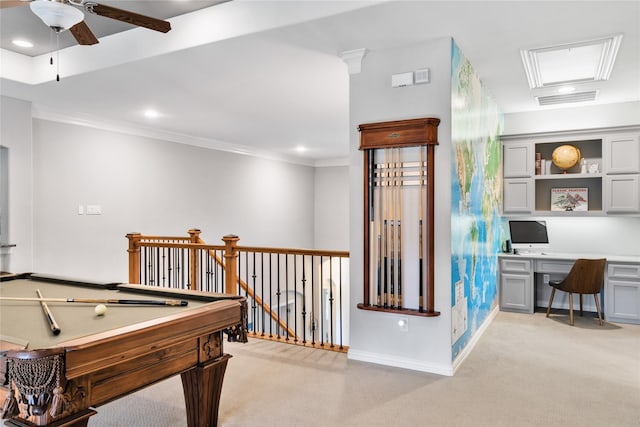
[{"x": 399, "y": 216}]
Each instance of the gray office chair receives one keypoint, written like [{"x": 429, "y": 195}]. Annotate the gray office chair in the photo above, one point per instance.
[{"x": 586, "y": 277}]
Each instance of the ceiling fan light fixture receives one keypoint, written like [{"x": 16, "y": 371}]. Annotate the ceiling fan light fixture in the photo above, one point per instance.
[{"x": 56, "y": 15}]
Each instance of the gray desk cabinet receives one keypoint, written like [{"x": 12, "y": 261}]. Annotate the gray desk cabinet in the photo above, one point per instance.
[
  {"x": 516, "y": 285},
  {"x": 622, "y": 293}
]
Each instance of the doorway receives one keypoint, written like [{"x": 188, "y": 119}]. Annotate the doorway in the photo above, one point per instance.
[{"x": 5, "y": 246}]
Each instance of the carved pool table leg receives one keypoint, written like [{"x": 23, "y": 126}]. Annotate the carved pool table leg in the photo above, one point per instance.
[{"x": 202, "y": 386}]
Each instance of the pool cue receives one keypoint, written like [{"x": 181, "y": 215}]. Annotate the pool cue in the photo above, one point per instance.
[
  {"x": 372, "y": 218},
  {"x": 399, "y": 298},
  {"x": 55, "y": 329},
  {"x": 385, "y": 279},
  {"x": 180, "y": 303},
  {"x": 392, "y": 205},
  {"x": 380, "y": 216},
  {"x": 379, "y": 296},
  {"x": 420, "y": 248}
]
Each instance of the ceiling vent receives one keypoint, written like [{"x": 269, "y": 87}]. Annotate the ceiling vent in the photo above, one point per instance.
[
  {"x": 571, "y": 63},
  {"x": 567, "y": 98}
]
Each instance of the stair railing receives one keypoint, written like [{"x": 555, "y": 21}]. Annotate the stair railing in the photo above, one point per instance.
[{"x": 297, "y": 296}]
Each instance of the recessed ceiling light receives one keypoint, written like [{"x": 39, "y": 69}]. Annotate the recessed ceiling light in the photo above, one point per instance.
[
  {"x": 566, "y": 89},
  {"x": 301, "y": 149},
  {"x": 151, "y": 114},
  {"x": 22, "y": 43},
  {"x": 571, "y": 63}
]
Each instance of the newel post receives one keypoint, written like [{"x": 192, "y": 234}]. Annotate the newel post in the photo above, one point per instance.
[
  {"x": 134, "y": 257},
  {"x": 194, "y": 234},
  {"x": 230, "y": 263}
]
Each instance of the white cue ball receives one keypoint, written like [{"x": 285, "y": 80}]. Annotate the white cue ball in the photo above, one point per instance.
[{"x": 101, "y": 309}]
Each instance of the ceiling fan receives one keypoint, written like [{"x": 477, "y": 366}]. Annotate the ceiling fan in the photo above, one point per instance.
[{"x": 62, "y": 15}]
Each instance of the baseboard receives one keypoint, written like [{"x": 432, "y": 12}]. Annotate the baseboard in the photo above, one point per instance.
[
  {"x": 400, "y": 362},
  {"x": 474, "y": 339},
  {"x": 419, "y": 365}
]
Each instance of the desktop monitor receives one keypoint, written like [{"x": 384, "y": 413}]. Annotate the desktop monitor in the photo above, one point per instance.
[{"x": 528, "y": 236}]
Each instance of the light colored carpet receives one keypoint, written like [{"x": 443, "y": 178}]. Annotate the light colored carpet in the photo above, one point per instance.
[{"x": 526, "y": 370}]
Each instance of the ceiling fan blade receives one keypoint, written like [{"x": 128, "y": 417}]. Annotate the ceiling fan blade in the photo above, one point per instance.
[
  {"x": 83, "y": 34},
  {"x": 130, "y": 17},
  {"x": 12, "y": 3}
]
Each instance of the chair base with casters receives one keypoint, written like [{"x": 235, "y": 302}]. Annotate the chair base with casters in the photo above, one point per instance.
[{"x": 586, "y": 277}]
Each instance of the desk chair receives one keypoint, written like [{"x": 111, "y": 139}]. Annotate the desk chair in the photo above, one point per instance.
[{"x": 586, "y": 277}]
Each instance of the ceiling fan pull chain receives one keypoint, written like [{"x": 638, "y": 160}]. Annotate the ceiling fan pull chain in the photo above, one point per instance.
[
  {"x": 57, "y": 56},
  {"x": 51, "y": 44}
]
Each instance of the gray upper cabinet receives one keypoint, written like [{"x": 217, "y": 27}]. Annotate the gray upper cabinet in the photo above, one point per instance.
[
  {"x": 622, "y": 154},
  {"x": 608, "y": 175},
  {"x": 519, "y": 161}
]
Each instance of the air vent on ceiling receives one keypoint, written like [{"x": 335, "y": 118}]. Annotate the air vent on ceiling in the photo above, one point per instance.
[
  {"x": 571, "y": 63},
  {"x": 567, "y": 98}
]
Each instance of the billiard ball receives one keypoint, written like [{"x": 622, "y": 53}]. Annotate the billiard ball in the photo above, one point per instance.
[{"x": 100, "y": 309}]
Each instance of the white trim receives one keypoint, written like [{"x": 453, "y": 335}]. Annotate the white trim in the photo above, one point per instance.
[
  {"x": 474, "y": 340},
  {"x": 44, "y": 113},
  {"x": 572, "y": 132},
  {"x": 400, "y": 362},
  {"x": 353, "y": 59},
  {"x": 531, "y": 61}
]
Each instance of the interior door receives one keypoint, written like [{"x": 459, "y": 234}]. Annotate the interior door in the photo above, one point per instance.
[{"x": 5, "y": 246}]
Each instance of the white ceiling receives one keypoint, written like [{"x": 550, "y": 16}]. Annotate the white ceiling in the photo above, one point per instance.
[{"x": 266, "y": 76}]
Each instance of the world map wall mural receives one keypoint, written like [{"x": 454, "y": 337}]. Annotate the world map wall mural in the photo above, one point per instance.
[{"x": 477, "y": 229}]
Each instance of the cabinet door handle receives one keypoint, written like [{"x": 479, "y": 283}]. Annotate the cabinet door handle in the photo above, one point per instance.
[
  {"x": 8, "y": 245},
  {"x": 394, "y": 135}
]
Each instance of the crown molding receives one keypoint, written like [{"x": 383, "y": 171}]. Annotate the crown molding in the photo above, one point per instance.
[
  {"x": 45, "y": 113},
  {"x": 353, "y": 59}
]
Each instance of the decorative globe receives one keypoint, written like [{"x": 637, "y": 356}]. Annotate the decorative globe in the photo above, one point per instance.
[{"x": 565, "y": 156}]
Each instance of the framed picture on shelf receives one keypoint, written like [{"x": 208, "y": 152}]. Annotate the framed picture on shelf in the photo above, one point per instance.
[{"x": 570, "y": 199}]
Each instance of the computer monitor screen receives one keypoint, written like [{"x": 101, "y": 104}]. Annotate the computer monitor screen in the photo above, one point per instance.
[{"x": 529, "y": 234}]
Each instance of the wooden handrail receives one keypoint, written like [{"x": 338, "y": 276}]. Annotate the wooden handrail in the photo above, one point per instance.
[
  {"x": 312, "y": 252},
  {"x": 225, "y": 256},
  {"x": 195, "y": 243}
]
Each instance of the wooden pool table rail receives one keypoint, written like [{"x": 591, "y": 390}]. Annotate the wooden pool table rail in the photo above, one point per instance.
[{"x": 108, "y": 365}]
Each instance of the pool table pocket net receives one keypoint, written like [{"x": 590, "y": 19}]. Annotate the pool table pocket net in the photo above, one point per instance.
[{"x": 38, "y": 381}]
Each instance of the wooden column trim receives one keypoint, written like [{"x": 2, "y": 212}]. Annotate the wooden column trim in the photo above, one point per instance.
[
  {"x": 230, "y": 263},
  {"x": 194, "y": 234},
  {"x": 134, "y": 257}
]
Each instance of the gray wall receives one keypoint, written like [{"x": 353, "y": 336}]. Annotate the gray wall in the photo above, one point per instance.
[
  {"x": 155, "y": 187},
  {"x": 375, "y": 336},
  {"x": 332, "y": 208},
  {"x": 15, "y": 134}
]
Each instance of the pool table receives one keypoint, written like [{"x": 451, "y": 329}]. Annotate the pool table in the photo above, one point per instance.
[{"x": 58, "y": 380}]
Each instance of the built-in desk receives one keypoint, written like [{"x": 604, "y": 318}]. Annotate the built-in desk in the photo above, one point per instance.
[{"x": 524, "y": 278}]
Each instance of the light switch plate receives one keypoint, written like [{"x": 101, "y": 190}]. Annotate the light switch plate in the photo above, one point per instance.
[{"x": 94, "y": 210}]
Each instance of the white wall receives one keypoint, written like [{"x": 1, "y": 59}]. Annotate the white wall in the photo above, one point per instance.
[
  {"x": 155, "y": 187},
  {"x": 612, "y": 235},
  {"x": 581, "y": 117},
  {"x": 332, "y": 208},
  {"x": 375, "y": 336},
  {"x": 15, "y": 133}
]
